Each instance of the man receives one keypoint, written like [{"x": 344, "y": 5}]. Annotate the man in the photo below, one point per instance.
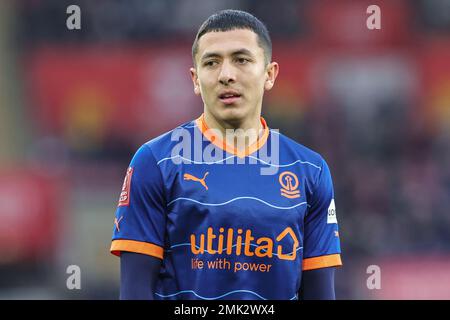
[{"x": 188, "y": 227}]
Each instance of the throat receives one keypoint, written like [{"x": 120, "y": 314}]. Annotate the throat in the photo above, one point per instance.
[
  {"x": 241, "y": 139},
  {"x": 233, "y": 136}
]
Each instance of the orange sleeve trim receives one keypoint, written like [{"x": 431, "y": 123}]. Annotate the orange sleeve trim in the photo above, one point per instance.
[
  {"x": 331, "y": 260},
  {"x": 136, "y": 246}
]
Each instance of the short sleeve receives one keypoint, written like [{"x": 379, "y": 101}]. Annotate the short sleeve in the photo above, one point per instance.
[
  {"x": 321, "y": 234},
  {"x": 139, "y": 224}
]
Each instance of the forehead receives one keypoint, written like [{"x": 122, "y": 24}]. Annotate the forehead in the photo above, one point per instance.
[{"x": 225, "y": 42}]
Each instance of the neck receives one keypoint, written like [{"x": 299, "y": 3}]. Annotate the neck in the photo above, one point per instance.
[{"x": 237, "y": 133}]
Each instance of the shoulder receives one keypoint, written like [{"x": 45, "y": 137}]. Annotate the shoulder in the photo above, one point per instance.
[
  {"x": 161, "y": 146},
  {"x": 146, "y": 165},
  {"x": 293, "y": 149}
]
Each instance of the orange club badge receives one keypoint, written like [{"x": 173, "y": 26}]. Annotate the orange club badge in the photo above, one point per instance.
[{"x": 289, "y": 185}]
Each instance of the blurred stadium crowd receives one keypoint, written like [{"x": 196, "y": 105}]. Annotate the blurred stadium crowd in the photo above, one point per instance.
[{"x": 76, "y": 104}]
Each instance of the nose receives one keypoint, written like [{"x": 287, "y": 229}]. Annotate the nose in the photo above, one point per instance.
[{"x": 227, "y": 74}]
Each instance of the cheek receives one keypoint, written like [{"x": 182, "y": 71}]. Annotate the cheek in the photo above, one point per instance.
[
  {"x": 258, "y": 84},
  {"x": 258, "y": 78},
  {"x": 206, "y": 90},
  {"x": 206, "y": 83}
]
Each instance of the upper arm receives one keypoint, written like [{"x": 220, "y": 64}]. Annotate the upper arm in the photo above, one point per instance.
[
  {"x": 321, "y": 235},
  {"x": 140, "y": 215}
]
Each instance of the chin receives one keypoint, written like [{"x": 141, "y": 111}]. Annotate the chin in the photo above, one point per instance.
[
  {"x": 232, "y": 113},
  {"x": 233, "y": 116}
]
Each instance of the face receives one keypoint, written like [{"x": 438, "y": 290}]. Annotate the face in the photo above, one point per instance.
[{"x": 231, "y": 74}]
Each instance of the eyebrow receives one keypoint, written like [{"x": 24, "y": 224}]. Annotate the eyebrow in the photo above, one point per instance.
[{"x": 234, "y": 53}]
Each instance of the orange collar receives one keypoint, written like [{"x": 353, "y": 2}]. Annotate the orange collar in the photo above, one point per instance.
[{"x": 217, "y": 141}]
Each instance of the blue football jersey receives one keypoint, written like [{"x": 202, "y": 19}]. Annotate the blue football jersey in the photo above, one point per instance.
[{"x": 228, "y": 224}]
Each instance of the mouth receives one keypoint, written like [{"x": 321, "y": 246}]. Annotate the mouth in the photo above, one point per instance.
[{"x": 229, "y": 97}]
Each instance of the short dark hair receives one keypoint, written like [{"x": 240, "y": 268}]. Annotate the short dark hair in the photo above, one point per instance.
[{"x": 227, "y": 20}]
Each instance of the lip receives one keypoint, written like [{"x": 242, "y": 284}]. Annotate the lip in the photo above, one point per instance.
[{"x": 233, "y": 98}]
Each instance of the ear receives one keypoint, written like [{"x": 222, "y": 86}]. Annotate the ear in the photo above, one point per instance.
[
  {"x": 272, "y": 70},
  {"x": 194, "y": 78}
]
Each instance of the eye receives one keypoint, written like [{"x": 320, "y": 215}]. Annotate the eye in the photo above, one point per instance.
[
  {"x": 210, "y": 63},
  {"x": 242, "y": 60}
]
